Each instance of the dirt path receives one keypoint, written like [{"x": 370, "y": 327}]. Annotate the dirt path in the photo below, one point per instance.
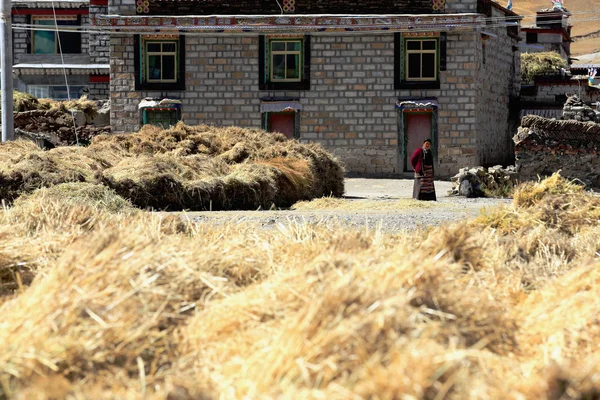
[{"x": 366, "y": 191}]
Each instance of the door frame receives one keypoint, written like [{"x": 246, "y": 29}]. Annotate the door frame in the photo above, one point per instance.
[{"x": 414, "y": 107}]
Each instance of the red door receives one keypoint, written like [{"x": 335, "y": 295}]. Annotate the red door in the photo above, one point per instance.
[
  {"x": 282, "y": 123},
  {"x": 418, "y": 128}
]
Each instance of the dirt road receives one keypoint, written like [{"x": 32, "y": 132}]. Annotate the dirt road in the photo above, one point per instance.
[{"x": 366, "y": 191}]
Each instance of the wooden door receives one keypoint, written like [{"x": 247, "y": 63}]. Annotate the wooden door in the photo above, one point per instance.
[
  {"x": 418, "y": 128},
  {"x": 282, "y": 123}
]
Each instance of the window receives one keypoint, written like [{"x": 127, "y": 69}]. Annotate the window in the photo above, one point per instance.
[
  {"x": 419, "y": 60},
  {"x": 47, "y": 41},
  {"x": 285, "y": 60},
  {"x": 159, "y": 62},
  {"x": 284, "y": 63},
  {"x": 163, "y": 117},
  {"x": 531, "y": 37},
  {"x": 56, "y": 92}
]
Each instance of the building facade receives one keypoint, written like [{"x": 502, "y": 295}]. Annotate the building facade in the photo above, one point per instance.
[
  {"x": 369, "y": 82},
  {"x": 63, "y": 63},
  {"x": 546, "y": 95}
]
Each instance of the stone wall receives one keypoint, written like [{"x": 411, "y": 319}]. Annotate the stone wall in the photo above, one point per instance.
[
  {"x": 544, "y": 146},
  {"x": 553, "y": 93},
  {"x": 99, "y": 43},
  {"x": 577, "y": 110},
  {"x": 496, "y": 93}
]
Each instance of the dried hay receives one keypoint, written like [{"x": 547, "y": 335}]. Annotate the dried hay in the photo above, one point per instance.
[
  {"x": 12, "y": 151},
  {"x": 68, "y": 204},
  {"x": 540, "y": 63},
  {"x": 143, "y": 306},
  {"x": 43, "y": 169},
  {"x": 530, "y": 193},
  {"x": 25, "y": 102},
  {"x": 236, "y": 145}
]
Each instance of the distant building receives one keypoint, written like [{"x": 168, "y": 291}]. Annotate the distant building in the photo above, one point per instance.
[
  {"x": 551, "y": 32},
  {"x": 38, "y": 66},
  {"x": 547, "y": 94}
]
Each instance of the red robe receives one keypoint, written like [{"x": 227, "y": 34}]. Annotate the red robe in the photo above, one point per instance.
[{"x": 416, "y": 160}]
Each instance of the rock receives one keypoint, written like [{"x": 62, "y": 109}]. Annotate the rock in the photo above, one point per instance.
[
  {"x": 465, "y": 189},
  {"x": 103, "y": 117},
  {"x": 78, "y": 117}
]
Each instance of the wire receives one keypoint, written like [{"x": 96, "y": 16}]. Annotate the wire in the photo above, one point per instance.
[
  {"x": 65, "y": 72},
  {"x": 277, "y": 1}
]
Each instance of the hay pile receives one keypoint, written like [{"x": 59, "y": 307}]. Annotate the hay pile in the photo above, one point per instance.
[
  {"x": 538, "y": 64},
  {"x": 184, "y": 167},
  {"x": 135, "y": 306}
]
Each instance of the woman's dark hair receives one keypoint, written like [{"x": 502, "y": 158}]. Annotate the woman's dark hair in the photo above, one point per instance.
[{"x": 427, "y": 140}]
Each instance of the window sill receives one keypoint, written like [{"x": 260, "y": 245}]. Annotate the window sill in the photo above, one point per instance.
[{"x": 417, "y": 85}]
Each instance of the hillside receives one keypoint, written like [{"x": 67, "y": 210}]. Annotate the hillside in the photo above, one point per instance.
[{"x": 585, "y": 20}]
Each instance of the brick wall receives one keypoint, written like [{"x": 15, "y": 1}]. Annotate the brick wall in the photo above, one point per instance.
[
  {"x": 351, "y": 105},
  {"x": 99, "y": 43},
  {"x": 496, "y": 92},
  {"x": 547, "y": 92},
  {"x": 20, "y": 38}
]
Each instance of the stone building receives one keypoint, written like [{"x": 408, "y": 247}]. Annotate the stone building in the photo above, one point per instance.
[
  {"x": 38, "y": 66},
  {"x": 551, "y": 32},
  {"x": 369, "y": 80},
  {"x": 546, "y": 95}
]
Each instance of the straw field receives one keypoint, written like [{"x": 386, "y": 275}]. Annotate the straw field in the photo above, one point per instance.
[
  {"x": 181, "y": 168},
  {"x": 103, "y": 300}
]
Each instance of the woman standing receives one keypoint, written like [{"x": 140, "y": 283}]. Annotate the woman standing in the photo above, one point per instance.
[{"x": 422, "y": 162}]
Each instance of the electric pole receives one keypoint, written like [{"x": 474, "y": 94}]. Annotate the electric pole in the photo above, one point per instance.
[{"x": 6, "y": 79}]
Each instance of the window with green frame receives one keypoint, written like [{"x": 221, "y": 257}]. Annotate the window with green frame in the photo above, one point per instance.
[
  {"x": 284, "y": 62},
  {"x": 160, "y": 62}
]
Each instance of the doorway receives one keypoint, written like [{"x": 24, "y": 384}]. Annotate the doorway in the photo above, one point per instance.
[
  {"x": 417, "y": 129},
  {"x": 283, "y": 123}
]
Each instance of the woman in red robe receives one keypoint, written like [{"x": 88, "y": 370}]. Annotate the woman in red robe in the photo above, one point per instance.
[{"x": 422, "y": 162}]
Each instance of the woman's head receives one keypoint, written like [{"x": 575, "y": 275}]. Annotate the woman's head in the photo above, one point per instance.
[{"x": 427, "y": 144}]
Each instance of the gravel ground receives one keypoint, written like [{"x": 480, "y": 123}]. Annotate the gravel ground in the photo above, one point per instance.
[{"x": 365, "y": 190}]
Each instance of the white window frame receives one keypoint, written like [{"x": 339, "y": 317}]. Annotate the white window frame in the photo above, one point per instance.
[
  {"x": 161, "y": 53},
  {"x": 47, "y": 89},
  {"x": 421, "y": 52},
  {"x": 286, "y": 52}
]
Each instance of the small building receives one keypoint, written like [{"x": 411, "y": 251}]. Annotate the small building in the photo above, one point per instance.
[
  {"x": 545, "y": 96},
  {"x": 368, "y": 80},
  {"x": 54, "y": 54},
  {"x": 551, "y": 32}
]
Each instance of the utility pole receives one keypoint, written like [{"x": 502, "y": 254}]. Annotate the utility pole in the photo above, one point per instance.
[{"x": 6, "y": 79}]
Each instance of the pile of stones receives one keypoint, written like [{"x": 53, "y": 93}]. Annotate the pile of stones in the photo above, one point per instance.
[
  {"x": 576, "y": 109},
  {"x": 495, "y": 181}
]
